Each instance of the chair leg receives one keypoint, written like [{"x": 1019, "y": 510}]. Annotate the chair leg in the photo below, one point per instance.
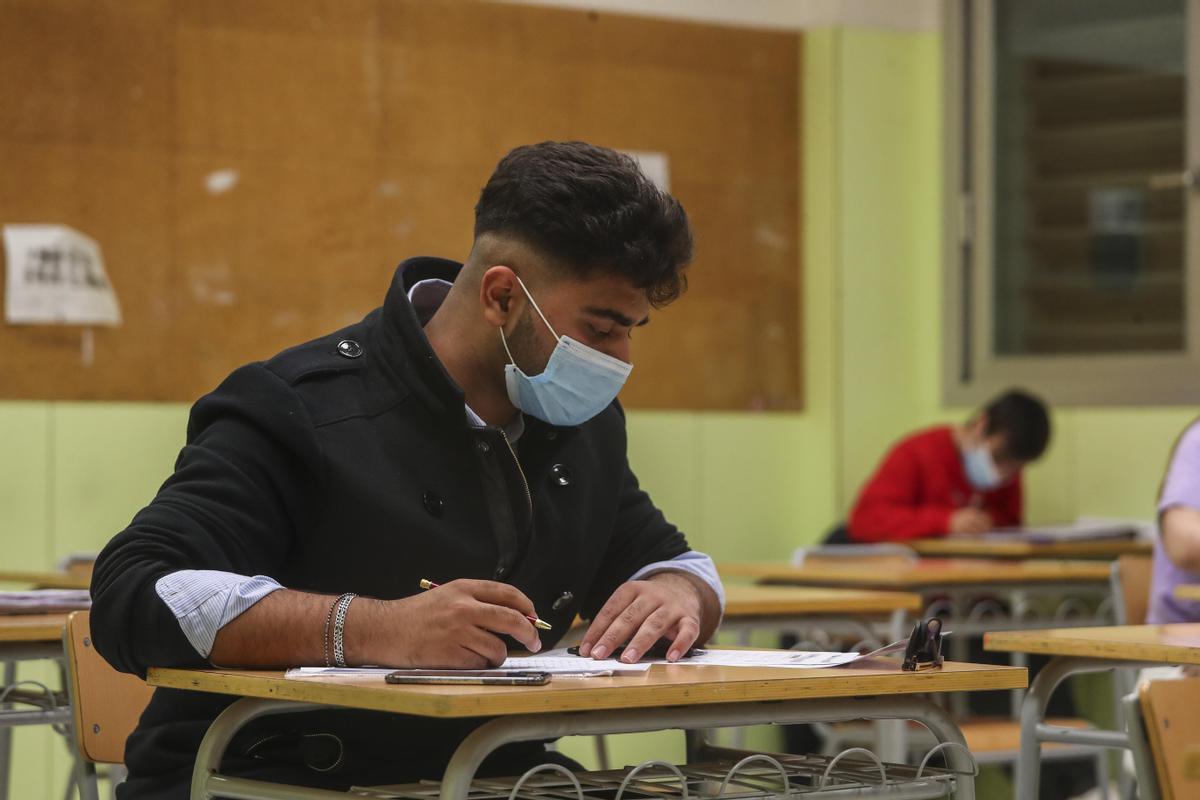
[
  {"x": 601, "y": 751},
  {"x": 116, "y": 774},
  {"x": 85, "y": 780},
  {"x": 1102, "y": 773}
]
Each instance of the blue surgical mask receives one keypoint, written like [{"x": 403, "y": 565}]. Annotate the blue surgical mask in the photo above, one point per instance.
[
  {"x": 981, "y": 468},
  {"x": 578, "y": 383}
]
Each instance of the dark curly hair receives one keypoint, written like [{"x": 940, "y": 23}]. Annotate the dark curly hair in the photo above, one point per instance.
[{"x": 591, "y": 209}]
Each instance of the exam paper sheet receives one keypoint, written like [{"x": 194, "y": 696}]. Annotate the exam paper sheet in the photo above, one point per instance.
[{"x": 561, "y": 663}]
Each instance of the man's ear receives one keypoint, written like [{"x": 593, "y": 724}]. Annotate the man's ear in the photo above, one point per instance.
[{"x": 499, "y": 295}]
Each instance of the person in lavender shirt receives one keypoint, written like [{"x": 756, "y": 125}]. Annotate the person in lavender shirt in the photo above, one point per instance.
[{"x": 1177, "y": 550}]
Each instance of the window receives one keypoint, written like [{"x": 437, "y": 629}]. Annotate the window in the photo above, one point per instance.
[{"x": 1073, "y": 200}]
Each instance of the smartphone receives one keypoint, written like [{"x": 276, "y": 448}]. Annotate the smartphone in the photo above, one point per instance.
[{"x": 470, "y": 677}]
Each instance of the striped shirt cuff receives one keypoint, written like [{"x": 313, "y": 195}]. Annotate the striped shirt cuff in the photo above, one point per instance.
[{"x": 205, "y": 600}]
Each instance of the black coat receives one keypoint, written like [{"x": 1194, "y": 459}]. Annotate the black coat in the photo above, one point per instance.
[{"x": 346, "y": 464}]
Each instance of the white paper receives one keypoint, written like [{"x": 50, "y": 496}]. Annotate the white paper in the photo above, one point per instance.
[
  {"x": 44, "y": 601},
  {"x": 564, "y": 665},
  {"x": 655, "y": 166},
  {"x": 1075, "y": 531},
  {"x": 56, "y": 275}
]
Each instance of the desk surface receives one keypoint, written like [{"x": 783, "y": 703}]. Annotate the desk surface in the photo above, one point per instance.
[
  {"x": 1188, "y": 591},
  {"x": 32, "y": 628},
  {"x": 779, "y": 601},
  {"x": 921, "y": 573},
  {"x": 1163, "y": 644},
  {"x": 660, "y": 686},
  {"x": 48, "y": 580},
  {"x": 999, "y": 548}
]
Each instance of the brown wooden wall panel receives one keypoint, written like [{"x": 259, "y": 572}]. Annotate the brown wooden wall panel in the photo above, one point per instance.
[{"x": 254, "y": 169}]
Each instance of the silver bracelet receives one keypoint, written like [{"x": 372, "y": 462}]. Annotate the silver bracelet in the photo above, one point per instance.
[{"x": 339, "y": 629}]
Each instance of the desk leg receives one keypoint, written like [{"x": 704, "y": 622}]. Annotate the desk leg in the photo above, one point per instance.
[
  {"x": 1033, "y": 711},
  {"x": 498, "y": 732},
  {"x": 206, "y": 783},
  {"x": 891, "y": 735}
]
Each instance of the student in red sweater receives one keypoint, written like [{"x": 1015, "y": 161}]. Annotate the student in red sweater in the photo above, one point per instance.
[{"x": 954, "y": 479}]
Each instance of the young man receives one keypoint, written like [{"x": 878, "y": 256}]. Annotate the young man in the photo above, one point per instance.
[
  {"x": 964, "y": 479},
  {"x": 466, "y": 432}
]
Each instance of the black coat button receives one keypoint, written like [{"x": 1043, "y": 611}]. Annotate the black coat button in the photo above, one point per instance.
[
  {"x": 483, "y": 446},
  {"x": 501, "y": 571},
  {"x": 349, "y": 348},
  {"x": 560, "y": 475},
  {"x": 563, "y": 601},
  {"x": 434, "y": 504}
]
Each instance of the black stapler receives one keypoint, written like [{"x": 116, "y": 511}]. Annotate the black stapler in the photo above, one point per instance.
[{"x": 924, "y": 649}]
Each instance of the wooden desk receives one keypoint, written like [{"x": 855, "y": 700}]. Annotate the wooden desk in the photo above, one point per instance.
[
  {"x": 32, "y": 628},
  {"x": 798, "y": 601},
  {"x": 1158, "y": 644},
  {"x": 1079, "y": 650},
  {"x": 975, "y": 547},
  {"x": 664, "y": 697},
  {"x": 1188, "y": 591},
  {"x": 922, "y": 573},
  {"x": 26, "y": 637},
  {"x": 48, "y": 580}
]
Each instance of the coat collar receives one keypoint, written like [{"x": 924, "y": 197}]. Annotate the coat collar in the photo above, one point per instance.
[{"x": 406, "y": 351}]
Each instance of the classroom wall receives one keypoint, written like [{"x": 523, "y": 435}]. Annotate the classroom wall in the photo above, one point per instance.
[{"x": 742, "y": 485}]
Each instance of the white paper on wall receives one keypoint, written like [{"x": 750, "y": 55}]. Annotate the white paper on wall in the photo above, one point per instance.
[
  {"x": 655, "y": 166},
  {"x": 55, "y": 275}
]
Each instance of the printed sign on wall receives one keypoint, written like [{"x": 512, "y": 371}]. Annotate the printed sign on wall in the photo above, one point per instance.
[{"x": 56, "y": 276}]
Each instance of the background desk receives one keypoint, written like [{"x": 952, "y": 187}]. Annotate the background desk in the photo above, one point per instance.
[
  {"x": 1078, "y": 650},
  {"x": 962, "y": 592},
  {"x": 973, "y": 546},
  {"x": 26, "y": 637},
  {"x": 661, "y": 698},
  {"x": 836, "y": 610},
  {"x": 1188, "y": 591},
  {"x": 924, "y": 573}
]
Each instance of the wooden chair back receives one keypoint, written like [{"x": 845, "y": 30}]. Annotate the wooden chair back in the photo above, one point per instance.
[
  {"x": 107, "y": 704},
  {"x": 1131, "y": 588},
  {"x": 1173, "y": 731}
]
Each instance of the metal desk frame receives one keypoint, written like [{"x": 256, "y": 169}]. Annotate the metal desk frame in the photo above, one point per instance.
[{"x": 208, "y": 782}]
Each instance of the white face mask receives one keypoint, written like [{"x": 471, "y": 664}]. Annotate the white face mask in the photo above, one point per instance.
[
  {"x": 981, "y": 468},
  {"x": 578, "y": 383}
]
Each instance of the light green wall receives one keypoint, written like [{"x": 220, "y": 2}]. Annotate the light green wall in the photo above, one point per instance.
[{"x": 743, "y": 486}]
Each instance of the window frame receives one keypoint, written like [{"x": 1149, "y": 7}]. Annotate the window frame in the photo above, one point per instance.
[{"x": 972, "y": 371}]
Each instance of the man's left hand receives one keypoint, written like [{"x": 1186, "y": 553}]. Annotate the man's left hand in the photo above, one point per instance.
[{"x": 670, "y": 605}]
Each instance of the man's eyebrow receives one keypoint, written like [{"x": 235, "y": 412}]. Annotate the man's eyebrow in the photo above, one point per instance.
[{"x": 615, "y": 316}]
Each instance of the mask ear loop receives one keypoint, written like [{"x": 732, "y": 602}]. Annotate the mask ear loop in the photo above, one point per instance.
[
  {"x": 535, "y": 307},
  {"x": 504, "y": 341}
]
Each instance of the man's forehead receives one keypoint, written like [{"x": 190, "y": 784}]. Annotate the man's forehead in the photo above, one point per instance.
[{"x": 610, "y": 296}]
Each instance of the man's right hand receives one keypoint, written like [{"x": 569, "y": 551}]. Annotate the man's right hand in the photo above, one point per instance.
[
  {"x": 970, "y": 521},
  {"x": 455, "y": 626}
]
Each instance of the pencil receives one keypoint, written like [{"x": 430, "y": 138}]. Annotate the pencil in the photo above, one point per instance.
[{"x": 540, "y": 624}]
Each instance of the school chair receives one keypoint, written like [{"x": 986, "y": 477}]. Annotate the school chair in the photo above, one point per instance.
[
  {"x": 1172, "y": 732},
  {"x": 106, "y": 705}
]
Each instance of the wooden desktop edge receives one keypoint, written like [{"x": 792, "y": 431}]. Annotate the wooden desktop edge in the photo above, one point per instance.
[
  {"x": 662, "y": 686},
  {"x": 1169, "y": 644}
]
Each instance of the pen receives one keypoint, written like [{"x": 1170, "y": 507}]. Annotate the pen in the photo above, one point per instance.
[{"x": 540, "y": 624}]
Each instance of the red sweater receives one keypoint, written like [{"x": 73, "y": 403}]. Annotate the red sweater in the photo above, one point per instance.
[{"x": 918, "y": 486}]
